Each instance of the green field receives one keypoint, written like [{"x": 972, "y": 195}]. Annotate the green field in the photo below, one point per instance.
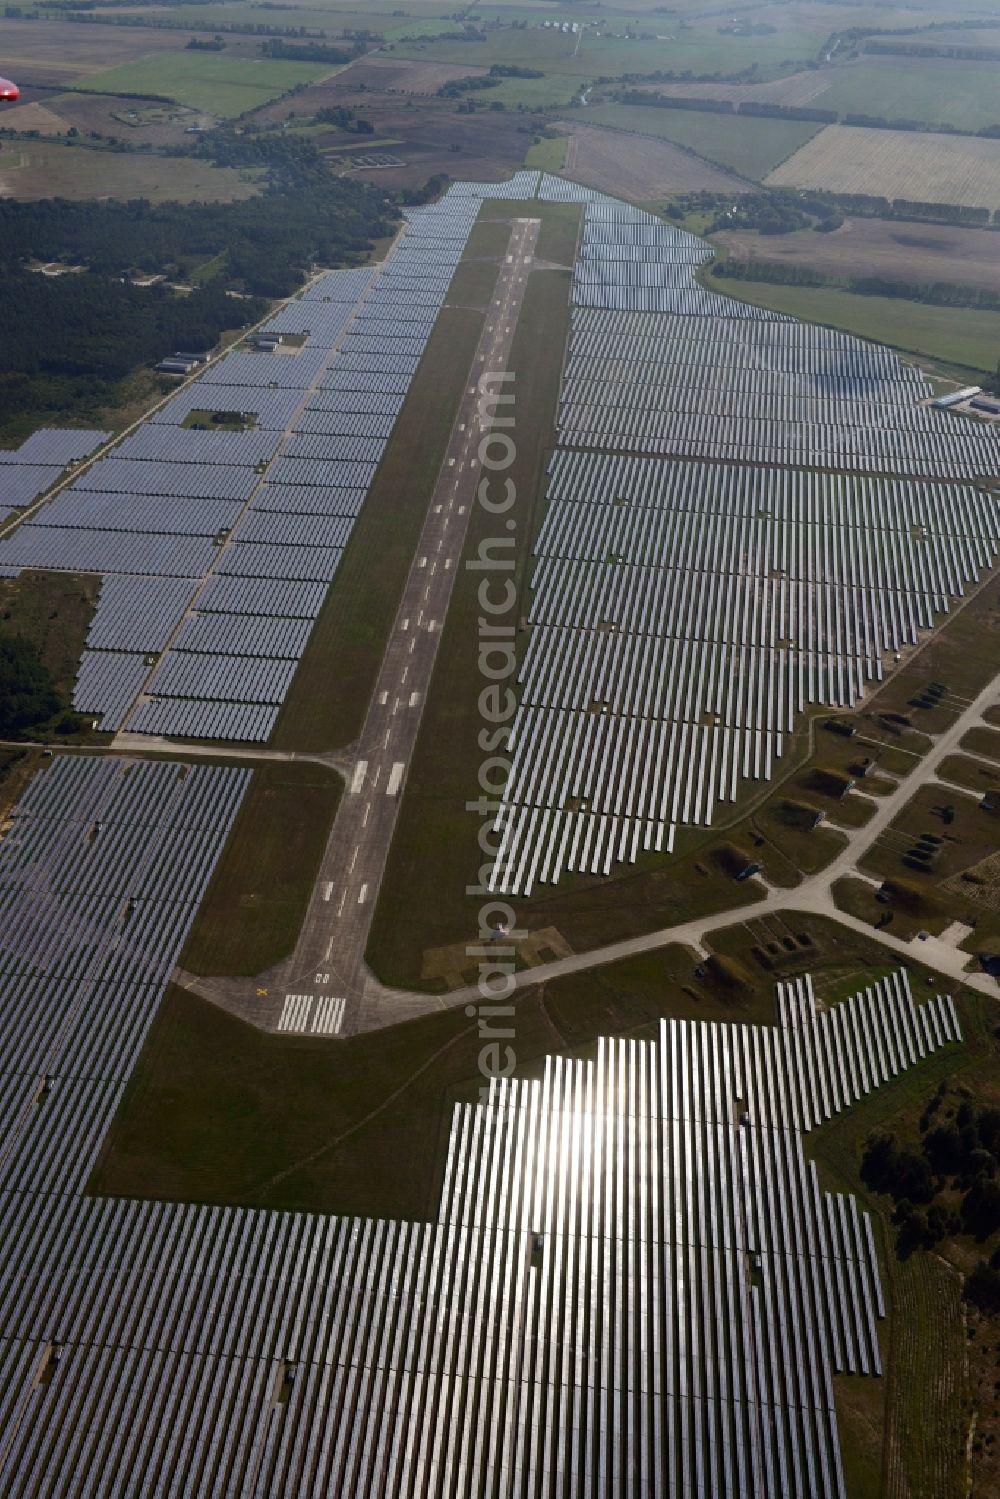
[
  {"x": 936, "y": 92},
  {"x": 961, "y": 337},
  {"x": 753, "y": 147},
  {"x": 662, "y": 44},
  {"x": 548, "y": 154},
  {"x": 210, "y": 81}
]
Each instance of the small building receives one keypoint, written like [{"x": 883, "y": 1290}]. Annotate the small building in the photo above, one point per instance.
[
  {"x": 191, "y": 358},
  {"x": 175, "y": 366},
  {"x": 984, "y": 403}
]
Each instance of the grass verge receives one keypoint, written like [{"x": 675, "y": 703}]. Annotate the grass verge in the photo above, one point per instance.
[
  {"x": 250, "y": 916},
  {"x": 435, "y": 843}
]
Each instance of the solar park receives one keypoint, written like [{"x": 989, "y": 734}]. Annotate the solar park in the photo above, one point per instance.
[
  {"x": 747, "y": 517},
  {"x": 792, "y": 472},
  {"x": 634, "y": 1285}
]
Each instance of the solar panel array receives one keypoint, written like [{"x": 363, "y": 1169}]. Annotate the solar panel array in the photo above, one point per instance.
[
  {"x": 745, "y": 516},
  {"x": 28, "y": 471},
  {"x": 56, "y": 445},
  {"x": 634, "y": 1284},
  {"x": 243, "y": 530}
]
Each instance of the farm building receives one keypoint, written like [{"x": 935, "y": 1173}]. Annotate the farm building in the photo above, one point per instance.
[
  {"x": 176, "y": 366},
  {"x": 955, "y": 397}
]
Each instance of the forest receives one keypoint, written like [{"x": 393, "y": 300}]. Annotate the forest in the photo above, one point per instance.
[
  {"x": 69, "y": 341},
  {"x": 269, "y": 242}
]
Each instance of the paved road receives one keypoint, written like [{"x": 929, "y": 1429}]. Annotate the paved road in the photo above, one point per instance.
[
  {"x": 152, "y": 744},
  {"x": 325, "y": 984}
]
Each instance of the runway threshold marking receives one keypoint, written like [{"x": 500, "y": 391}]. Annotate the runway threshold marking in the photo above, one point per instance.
[{"x": 358, "y": 779}]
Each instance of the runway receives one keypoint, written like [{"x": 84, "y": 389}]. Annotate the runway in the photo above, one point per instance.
[{"x": 324, "y": 984}]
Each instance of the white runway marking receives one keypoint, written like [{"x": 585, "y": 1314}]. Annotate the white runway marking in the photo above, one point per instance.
[
  {"x": 362, "y": 895},
  {"x": 358, "y": 779},
  {"x": 327, "y": 889},
  {"x": 294, "y": 1012},
  {"x": 309, "y": 1015},
  {"x": 395, "y": 778}
]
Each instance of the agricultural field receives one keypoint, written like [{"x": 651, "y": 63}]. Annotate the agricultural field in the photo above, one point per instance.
[
  {"x": 751, "y": 147},
  {"x": 961, "y": 338},
  {"x": 432, "y": 138},
  {"x": 129, "y": 120},
  {"x": 212, "y": 81},
  {"x": 921, "y": 253},
  {"x": 896, "y": 164},
  {"x": 638, "y": 167},
  {"x": 935, "y": 92},
  {"x": 58, "y": 52},
  {"x": 793, "y": 89},
  {"x": 31, "y": 170},
  {"x": 399, "y": 75},
  {"x": 657, "y": 44}
]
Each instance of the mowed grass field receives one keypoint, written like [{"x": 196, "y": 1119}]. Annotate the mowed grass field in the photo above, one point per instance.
[
  {"x": 548, "y": 154},
  {"x": 210, "y": 81},
  {"x": 752, "y": 147},
  {"x": 253, "y": 908},
  {"x": 919, "y": 167},
  {"x": 31, "y": 170},
  {"x": 959, "y": 337}
]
